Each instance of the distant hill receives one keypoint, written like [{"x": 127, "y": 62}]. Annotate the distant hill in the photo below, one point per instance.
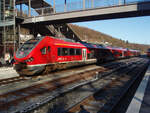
[{"x": 94, "y": 36}]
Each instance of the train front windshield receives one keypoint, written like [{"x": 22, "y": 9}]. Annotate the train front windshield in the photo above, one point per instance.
[{"x": 26, "y": 48}]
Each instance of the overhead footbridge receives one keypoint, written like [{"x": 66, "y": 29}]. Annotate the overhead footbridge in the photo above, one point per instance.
[
  {"x": 93, "y": 11},
  {"x": 42, "y": 7}
]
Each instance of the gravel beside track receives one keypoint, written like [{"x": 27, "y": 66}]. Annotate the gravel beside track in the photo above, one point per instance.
[{"x": 106, "y": 98}]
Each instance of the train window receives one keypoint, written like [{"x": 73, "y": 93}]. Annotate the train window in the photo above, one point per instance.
[
  {"x": 115, "y": 53},
  {"x": 78, "y": 51},
  {"x": 43, "y": 51},
  {"x": 59, "y": 51},
  {"x": 72, "y": 51},
  {"x": 65, "y": 51},
  {"x": 120, "y": 54},
  {"x": 49, "y": 49}
]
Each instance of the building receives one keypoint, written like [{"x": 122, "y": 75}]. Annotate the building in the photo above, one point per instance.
[{"x": 8, "y": 37}]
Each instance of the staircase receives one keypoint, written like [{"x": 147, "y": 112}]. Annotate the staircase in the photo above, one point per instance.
[
  {"x": 56, "y": 30},
  {"x": 67, "y": 31}
]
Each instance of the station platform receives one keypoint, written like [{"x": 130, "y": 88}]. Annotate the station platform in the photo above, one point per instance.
[
  {"x": 141, "y": 100},
  {"x": 7, "y": 72}
]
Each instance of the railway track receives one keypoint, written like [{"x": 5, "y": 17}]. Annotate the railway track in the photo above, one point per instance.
[
  {"x": 12, "y": 80},
  {"x": 24, "y": 78},
  {"x": 31, "y": 97},
  {"x": 105, "y": 99},
  {"x": 70, "y": 100}
]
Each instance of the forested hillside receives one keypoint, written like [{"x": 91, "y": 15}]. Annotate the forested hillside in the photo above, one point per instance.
[{"x": 93, "y": 36}]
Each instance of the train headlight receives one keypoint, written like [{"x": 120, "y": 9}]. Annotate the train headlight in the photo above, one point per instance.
[{"x": 29, "y": 60}]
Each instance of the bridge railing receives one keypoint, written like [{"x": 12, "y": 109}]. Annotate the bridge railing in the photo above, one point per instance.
[{"x": 80, "y": 5}]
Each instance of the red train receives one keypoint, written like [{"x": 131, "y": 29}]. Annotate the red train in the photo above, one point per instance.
[
  {"x": 148, "y": 52},
  {"x": 44, "y": 54}
]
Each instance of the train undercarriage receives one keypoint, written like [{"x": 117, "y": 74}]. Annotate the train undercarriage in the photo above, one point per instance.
[{"x": 28, "y": 70}]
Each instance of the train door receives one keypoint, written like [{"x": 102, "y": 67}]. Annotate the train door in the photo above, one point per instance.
[
  {"x": 84, "y": 54},
  {"x": 122, "y": 54},
  {"x": 44, "y": 54}
]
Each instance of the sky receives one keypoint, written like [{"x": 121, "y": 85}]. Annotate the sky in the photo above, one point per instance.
[{"x": 135, "y": 30}]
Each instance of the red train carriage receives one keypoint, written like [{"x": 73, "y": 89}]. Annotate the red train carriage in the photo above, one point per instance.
[
  {"x": 45, "y": 54},
  {"x": 100, "y": 52},
  {"x": 120, "y": 53},
  {"x": 132, "y": 53},
  {"x": 50, "y": 53}
]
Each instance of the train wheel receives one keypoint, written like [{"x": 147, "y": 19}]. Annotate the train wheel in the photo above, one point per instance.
[
  {"x": 62, "y": 66},
  {"x": 47, "y": 70}
]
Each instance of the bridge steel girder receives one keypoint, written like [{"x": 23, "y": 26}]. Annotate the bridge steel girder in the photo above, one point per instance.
[{"x": 122, "y": 11}]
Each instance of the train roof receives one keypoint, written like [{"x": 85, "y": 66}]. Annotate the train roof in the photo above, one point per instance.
[
  {"x": 117, "y": 48},
  {"x": 123, "y": 49},
  {"x": 65, "y": 39},
  {"x": 90, "y": 45},
  {"x": 70, "y": 42},
  {"x": 65, "y": 42},
  {"x": 134, "y": 50}
]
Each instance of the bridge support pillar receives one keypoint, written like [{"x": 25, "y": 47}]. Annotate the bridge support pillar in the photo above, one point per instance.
[
  {"x": 124, "y": 2},
  {"x": 21, "y": 13},
  {"x": 19, "y": 35},
  {"x": 54, "y": 6},
  {"x": 65, "y": 6},
  {"x": 120, "y": 2},
  {"x": 29, "y": 8},
  {"x": 83, "y": 4},
  {"x": 92, "y": 3}
]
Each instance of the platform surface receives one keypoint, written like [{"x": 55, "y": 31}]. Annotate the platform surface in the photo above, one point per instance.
[
  {"x": 7, "y": 72},
  {"x": 141, "y": 100}
]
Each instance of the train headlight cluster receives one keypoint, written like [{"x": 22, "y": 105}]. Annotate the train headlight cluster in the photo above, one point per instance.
[{"x": 29, "y": 60}]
